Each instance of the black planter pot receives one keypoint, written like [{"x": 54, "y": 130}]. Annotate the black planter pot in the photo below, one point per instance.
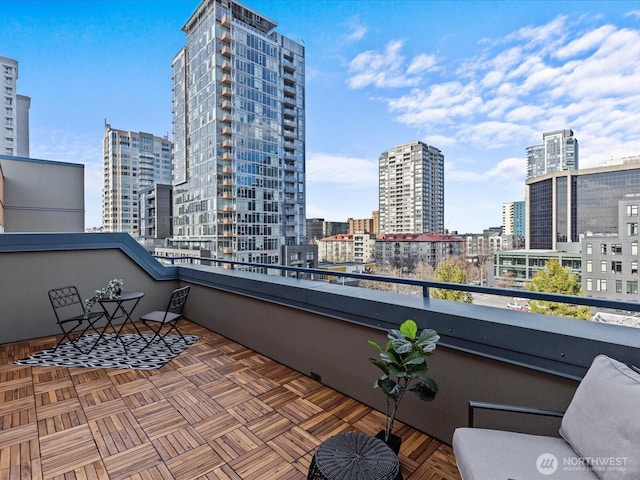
[{"x": 394, "y": 441}]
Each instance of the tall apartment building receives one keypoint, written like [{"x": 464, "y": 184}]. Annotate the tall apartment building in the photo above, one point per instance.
[
  {"x": 14, "y": 136},
  {"x": 558, "y": 151},
  {"x": 562, "y": 206},
  {"x": 132, "y": 162},
  {"x": 239, "y": 132},
  {"x": 513, "y": 218},
  {"x": 411, "y": 189}
]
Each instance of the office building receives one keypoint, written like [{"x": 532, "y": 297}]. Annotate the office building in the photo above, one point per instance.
[
  {"x": 516, "y": 268},
  {"x": 513, "y": 218},
  {"x": 133, "y": 161},
  {"x": 40, "y": 195},
  {"x": 562, "y": 206},
  {"x": 558, "y": 151},
  {"x": 14, "y": 136},
  {"x": 318, "y": 228},
  {"x": 239, "y": 133},
  {"x": 610, "y": 262},
  {"x": 411, "y": 189}
]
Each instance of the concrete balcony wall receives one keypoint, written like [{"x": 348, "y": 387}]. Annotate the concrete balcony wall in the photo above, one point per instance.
[
  {"x": 30, "y": 265},
  {"x": 321, "y": 329}
]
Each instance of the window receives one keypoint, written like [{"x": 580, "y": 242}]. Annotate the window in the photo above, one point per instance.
[
  {"x": 632, "y": 228},
  {"x": 634, "y": 267},
  {"x": 632, "y": 287},
  {"x": 601, "y": 284},
  {"x": 632, "y": 210},
  {"x": 589, "y": 266},
  {"x": 603, "y": 248},
  {"x": 618, "y": 286},
  {"x": 616, "y": 249},
  {"x": 616, "y": 267},
  {"x": 589, "y": 249},
  {"x": 634, "y": 248},
  {"x": 589, "y": 284},
  {"x": 603, "y": 266}
]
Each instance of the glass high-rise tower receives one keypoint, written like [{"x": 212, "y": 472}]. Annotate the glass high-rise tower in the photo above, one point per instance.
[
  {"x": 558, "y": 152},
  {"x": 239, "y": 136}
]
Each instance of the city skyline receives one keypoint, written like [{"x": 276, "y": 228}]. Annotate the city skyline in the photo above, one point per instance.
[{"x": 378, "y": 74}]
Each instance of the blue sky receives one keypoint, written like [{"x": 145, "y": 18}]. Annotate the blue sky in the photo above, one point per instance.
[{"x": 479, "y": 80}]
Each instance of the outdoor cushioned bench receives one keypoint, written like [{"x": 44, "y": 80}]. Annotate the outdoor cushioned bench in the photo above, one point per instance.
[{"x": 600, "y": 436}]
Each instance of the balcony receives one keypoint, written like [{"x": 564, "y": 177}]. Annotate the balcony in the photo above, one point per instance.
[{"x": 241, "y": 403}]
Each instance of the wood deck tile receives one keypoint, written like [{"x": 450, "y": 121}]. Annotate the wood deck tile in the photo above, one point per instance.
[
  {"x": 64, "y": 451},
  {"x": 178, "y": 442},
  {"x": 137, "y": 459},
  {"x": 117, "y": 433},
  {"x": 249, "y": 410},
  {"x": 299, "y": 410},
  {"x": 293, "y": 444},
  {"x": 217, "y": 412},
  {"x": 194, "y": 463},
  {"x": 278, "y": 396},
  {"x": 236, "y": 443},
  {"x": 216, "y": 426},
  {"x": 270, "y": 425},
  {"x": 159, "y": 418}
]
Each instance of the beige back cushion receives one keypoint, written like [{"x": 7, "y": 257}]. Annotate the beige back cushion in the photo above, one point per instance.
[{"x": 602, "y": 423}]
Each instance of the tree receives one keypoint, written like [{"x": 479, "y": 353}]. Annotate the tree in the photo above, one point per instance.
[
  {"x": 558, "y": 279},
  {"x": 450, "y": 271}
]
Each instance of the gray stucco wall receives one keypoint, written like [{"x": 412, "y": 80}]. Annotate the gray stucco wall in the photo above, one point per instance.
[{"x": 42, "y": 196}]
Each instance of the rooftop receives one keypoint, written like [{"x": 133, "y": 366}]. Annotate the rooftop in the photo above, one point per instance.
[{"x": 219, "y": 410}]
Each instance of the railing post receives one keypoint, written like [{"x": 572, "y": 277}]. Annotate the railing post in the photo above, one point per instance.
[{"x": 425, "y": 291}]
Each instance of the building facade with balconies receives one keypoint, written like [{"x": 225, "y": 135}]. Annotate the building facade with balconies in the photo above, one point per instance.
[
  {"x": 411, "y": 189},
  {"x": 14, "y": 136},
  {"x": 239, "y": 133},
  {"x": 132, "y": 162}
]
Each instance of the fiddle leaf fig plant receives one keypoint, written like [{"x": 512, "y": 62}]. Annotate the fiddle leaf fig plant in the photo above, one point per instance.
[{"x": 403, "y": 362}]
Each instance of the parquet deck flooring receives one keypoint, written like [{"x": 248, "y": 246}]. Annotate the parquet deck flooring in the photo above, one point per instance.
[{"x": 217, "y": 411}]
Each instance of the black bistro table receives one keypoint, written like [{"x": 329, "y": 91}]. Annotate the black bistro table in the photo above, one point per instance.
[
  {"x": 351, "y": 456},
  {"x": 120, "y": 307}
]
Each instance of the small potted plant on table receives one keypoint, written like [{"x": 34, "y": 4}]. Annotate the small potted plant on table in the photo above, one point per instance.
[{"x": 403, "y": 362}]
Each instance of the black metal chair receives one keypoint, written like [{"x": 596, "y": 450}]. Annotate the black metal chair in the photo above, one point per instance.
[
  {"x": 72, "y": 316},
  {"x": 157, "y": 320}
]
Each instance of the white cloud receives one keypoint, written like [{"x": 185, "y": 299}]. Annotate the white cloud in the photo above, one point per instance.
[
  {"x": 564, "y": 74},
  {"x": 357, "y": 31},
  {"x": 387, "y": 69},
  {"x": 345, "y": 171},
  {"x": 510, "y": 169}
]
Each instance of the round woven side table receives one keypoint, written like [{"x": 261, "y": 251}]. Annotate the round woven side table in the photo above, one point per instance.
[{"x": 349, "y": 456}]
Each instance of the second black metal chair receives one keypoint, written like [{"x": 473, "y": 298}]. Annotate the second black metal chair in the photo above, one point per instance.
[
  {"x": 157, "y": 320},
  {"x": 72, "y": 317}
]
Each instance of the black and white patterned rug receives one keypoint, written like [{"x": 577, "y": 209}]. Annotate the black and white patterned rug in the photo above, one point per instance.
[{"x": 110, "y": 353}]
